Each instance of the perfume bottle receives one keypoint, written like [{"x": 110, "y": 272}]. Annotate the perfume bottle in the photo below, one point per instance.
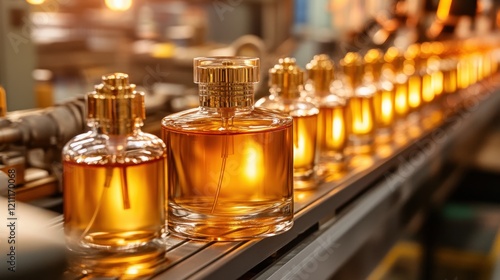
[
  {"x": 394, "y": 71},
  {"x": 384, "y": 98},
  {"x": 113, "y": 177},
  {"x": 423, "y": 69},
  {"x": 360, "y": 109},
  {"x": 286, "y": 81},
  {"x": 230, "y": 165},
  {"x": 332, "y": 132},
  {"x": 412, "y": 66},
  {"x": 449, "y": 68}
]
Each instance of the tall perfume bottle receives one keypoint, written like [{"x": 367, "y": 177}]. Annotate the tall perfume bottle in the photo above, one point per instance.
[
  {"x": 230, "y": 173},
  {"x": 286, "y": 81},
  {"x": 426, "y": 72},
  {"x": 412, "y": 66},
  {"x": 384, "y": 98},
  {"x": 114, "y": 178},
  {"x": 394, "y": 71},
  {"x": 360, "y": 109},
  {"x": 332, "y": 132}
]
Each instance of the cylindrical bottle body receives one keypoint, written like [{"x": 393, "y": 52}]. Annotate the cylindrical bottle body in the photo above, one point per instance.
[
  {"x": 113, "y": 192},
  {"x": 229, "y": 175}
]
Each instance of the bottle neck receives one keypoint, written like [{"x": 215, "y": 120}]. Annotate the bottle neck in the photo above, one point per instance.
[
  {"x": 285, "y": 92},
  {"x": 116, "y": 128},
  {"x": 223, "y": 95}
]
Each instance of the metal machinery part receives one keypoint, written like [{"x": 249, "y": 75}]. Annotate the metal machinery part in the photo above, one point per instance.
[
  {"x": 52, "y": 127},
  {"x": 35, "y": 139}
]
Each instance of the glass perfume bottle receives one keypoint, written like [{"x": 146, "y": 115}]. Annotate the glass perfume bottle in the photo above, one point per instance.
[
  {"x": 229, "y": 164},
  {"x": 384, "y": 97},
  {"x": 360, "y": 109},
  {"x": 332, "y": 132},
  {"x": 426, "y": 72},
  {"x": 114, "y": 178},
  {"x": 394, "y": 71},
  {"x": 286, "y": 82},
  {"x": 412, "y": 66}
]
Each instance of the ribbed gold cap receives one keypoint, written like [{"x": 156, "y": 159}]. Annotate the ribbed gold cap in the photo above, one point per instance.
[
  {"x": 374, "y": 60},
  {"x": 395, "y": 58},
  {"x": 321, "y": 71},
  {"x": 286, "y": 77},
  {"x": 352, "y": 67},
  {"x": 226, "y": 82},
  {"x": 227, "y": 70},
  {"x": 116, "y": 105}
]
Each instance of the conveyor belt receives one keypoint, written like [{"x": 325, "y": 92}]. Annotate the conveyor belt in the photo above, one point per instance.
[{"x": 342, "y": 208}]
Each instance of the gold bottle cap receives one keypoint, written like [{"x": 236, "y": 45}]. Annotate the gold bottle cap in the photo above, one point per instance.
[
  {"x": 321, "y": 71},
  {"x": 374, "y": 60},
  {"x": 413, "y": 61},
  {"x": 116, "y": 105},
  {"x": 396, "y": 58},
  {"x": 286, "y": 77},
  {"x": 352, "y": 66},
  {"x": 226, "y": 82}
]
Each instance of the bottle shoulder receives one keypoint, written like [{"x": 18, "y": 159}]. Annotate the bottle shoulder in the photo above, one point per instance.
[
  {"x": 242, "y": 121},
  {"x": 296, "y": 107},
  {"x": 100, "y": 149}
]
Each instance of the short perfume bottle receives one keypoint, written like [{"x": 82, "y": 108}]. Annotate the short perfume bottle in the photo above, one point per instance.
[
  {"x": 229, "y": 164},
  {"x": 384, "y": 98},
  {"x": 332, "y": 132},
  {"x": 114, "y": 177},
  {"x": 360, "y": 104},
  {"x": 286, "y": 81}
]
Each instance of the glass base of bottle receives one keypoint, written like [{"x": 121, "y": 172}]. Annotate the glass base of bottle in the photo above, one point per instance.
[
  {"x": 142, "y": 261},
  {"x": 383, "y": 135},
  {"x": 331, "y": 162},
  {"x": 361, "y": 144},
  {"x": 272, "y": 220}
]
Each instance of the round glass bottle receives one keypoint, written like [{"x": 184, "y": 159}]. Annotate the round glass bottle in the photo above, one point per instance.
[
  {"x": 114, "y": 182},
  {"x": 287, "y": 95},
  {"x": 332, "y": 132},
  {"x": 229, "y": 164}
]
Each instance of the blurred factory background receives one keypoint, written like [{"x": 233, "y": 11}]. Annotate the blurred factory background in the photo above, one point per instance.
[{"x": 54, "y": 51}]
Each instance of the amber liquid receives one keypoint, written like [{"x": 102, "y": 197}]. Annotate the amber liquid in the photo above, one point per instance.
[
  {"x": 463, "y": 74},
  {"x": 427, "y": 89},
  {"x": 361, "y": 122},
  {"x": 437, "y": 83},
  {"x": 304, "y": 146},
  {"x": 401, "y": 100},
  {"x": 227, "y": 185},
  {"x": 450, "y": 81},
  {"x": 332, "y": 134},
  {"x": 116, "y": 206},
  {"x": 414, "y": 92},
  {"x": 384, "y": 108}
]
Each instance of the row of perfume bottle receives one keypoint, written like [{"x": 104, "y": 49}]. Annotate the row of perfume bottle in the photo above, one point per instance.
[
  {"x": 226, "y": 170},
  {"x": 344, "y": 112}
]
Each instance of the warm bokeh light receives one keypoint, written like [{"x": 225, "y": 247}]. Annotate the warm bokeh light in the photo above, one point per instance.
[
  {"x": 118, "y": 5},
  {"x": 35, "y": 2}
]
